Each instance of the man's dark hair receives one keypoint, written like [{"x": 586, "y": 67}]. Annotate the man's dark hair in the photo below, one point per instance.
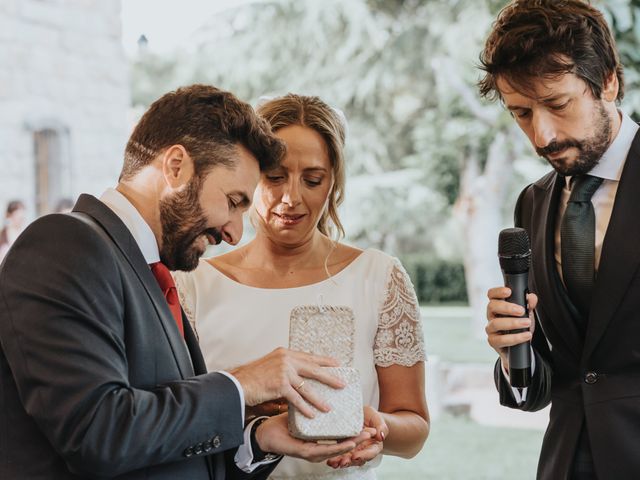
[
  {"x": 547, "y": 38},
  {"x": 208, "y": 123}
]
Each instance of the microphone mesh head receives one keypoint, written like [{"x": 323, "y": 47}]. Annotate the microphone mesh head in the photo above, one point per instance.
[{"x": 514, "y": 250}]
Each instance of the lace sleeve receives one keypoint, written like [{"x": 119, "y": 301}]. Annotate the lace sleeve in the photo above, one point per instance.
[
  {"x": 399, "y": 339},
  {"x": 186, "y": 295}
]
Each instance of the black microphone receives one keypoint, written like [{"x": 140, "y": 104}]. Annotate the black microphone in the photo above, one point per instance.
[{"x": 514, "y": 253}]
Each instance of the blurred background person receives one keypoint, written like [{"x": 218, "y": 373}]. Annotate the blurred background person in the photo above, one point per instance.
[
  {"x": 249, "y": 293},
  {"x": 15, "y": 221}
]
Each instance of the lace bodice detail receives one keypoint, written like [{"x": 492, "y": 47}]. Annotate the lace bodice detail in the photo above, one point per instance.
[{"x": 399, "y": 339}]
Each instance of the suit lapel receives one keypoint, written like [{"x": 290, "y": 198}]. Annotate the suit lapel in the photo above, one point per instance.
[
  {"x": 620, "y": 253},
  {"x": 199, "y": 365},
  {"x": 558, "y": 321},
  {"x": 125, "y": 242}
]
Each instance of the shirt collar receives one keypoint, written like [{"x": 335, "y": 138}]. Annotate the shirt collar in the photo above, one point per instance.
[
  {"x": 612, "y": 162},
  {"x": 139, "y": 228}
]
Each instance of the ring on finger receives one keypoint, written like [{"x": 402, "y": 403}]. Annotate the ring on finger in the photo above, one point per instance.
[{"x": 300, "y": 385}]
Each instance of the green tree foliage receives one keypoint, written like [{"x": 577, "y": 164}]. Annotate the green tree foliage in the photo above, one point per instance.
[
  {"x": 372, "y": 59},
  {"x": 624, "y": 18}
]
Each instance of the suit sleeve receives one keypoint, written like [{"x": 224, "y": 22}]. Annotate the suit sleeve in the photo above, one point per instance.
[
  {"x": 62, "y": 330},
  {"x": 539, "y": 392}
]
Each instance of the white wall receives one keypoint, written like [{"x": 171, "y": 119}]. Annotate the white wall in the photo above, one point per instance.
[{"x": 62, "y": 65}]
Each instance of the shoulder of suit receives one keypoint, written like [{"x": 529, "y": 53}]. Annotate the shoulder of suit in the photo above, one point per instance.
[
  {"x": 523, "y": 194},
  {"x": 56, "y": 221},
  {"x": 523, "y": 205},
  {"x": 62, "y": 242},
  {"x": 63, "y": 227},
  {"x": 547, "y": 180}
]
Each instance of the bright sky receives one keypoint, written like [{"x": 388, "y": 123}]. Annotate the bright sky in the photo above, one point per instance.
[{"x": 166, "y": 23}]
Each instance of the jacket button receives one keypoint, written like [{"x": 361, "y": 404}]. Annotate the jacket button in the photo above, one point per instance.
[
  {"x": 188, "y": 452},
  {"x": 215, "y": 441},
  {"x": 591, "y": 378},
  {"x": 198, "y": 449},
  {"x": 207, "y": 447}
]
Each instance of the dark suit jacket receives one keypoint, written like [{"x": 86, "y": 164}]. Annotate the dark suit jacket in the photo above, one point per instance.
[
  {"x": 95, "y": 379},
  {"x": 591, "y": 376}
]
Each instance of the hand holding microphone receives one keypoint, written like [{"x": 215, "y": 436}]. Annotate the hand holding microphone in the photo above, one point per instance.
[{"x": 510, "y": 327}]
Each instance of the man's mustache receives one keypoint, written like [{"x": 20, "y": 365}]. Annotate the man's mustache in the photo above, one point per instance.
[
  {"x": 215, "y": 233},
  {"x": 555, "y": 147}
]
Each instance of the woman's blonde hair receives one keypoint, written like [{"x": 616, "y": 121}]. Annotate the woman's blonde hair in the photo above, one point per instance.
[{"x": 311, "y": 112}]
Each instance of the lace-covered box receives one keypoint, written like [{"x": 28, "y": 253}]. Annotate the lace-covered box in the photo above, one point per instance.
[
  {"x": 328, "y": 331},
  {"x": 345, "y": 417}
]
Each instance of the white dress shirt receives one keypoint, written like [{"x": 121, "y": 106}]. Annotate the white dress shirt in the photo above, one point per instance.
[
  {"x": 146, "y": 240},
  {"x": 610, "y": 169}
]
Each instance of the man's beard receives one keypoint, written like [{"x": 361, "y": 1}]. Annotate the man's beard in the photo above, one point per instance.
[
  {"x": 183, "y": 221},
  {"x": 590, "y": 150}
]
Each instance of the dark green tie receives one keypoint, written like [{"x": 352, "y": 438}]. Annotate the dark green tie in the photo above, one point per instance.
[{"x": 578, "y": 239}]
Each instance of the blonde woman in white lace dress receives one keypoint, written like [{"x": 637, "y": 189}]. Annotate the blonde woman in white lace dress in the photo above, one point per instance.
[{"x": 240, "y": 302}]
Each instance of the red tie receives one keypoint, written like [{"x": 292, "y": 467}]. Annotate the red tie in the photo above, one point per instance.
[{"x": 168, "y": 287}]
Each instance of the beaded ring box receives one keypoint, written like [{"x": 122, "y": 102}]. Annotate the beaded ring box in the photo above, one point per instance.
[{"x": 328, "y": 331}]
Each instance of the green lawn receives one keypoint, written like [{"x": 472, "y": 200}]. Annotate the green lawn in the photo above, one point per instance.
[
  {"x": 447, "y": 334},
  {"x": 458, "y": 448}
]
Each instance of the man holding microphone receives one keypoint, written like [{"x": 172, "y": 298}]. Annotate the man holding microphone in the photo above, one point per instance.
[{"x": 555, "y": 67}]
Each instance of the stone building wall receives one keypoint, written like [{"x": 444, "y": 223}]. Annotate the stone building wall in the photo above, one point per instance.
[{"x": 64, "y": 97}]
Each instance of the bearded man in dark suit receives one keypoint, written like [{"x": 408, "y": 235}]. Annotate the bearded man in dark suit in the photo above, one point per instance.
[
  {"x": 554, "y": 65},
  {"x": 100, "y": 374}
]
